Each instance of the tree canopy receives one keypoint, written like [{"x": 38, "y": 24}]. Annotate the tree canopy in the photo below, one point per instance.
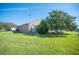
[
  {"x": 6, "y": 25},
  {"x": 59, "y": 20}
]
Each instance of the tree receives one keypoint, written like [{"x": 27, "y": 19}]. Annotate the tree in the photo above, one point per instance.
[
  {"x": 7, "y": 25},
  {"x": 59, "y": 20},
  {"x": 10, "y": 25},
  {"x": 42, "y": 27}
]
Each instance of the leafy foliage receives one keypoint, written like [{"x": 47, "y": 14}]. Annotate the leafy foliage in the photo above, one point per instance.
[
  {"x": 59, "y": 20},
  {"x": 42, "y": 27},
  {"x": 6, "y": 25}
]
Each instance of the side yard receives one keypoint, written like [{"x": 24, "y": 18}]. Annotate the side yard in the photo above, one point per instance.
[{"x": 18, "y": 43}]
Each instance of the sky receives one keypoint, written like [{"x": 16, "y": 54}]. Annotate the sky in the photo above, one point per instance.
[{"x": 20, "y": 13}]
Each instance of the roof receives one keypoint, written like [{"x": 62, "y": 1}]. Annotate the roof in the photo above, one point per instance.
[
  {"x": 23, "y": 24},
  {"x": 34, "y": 22}
]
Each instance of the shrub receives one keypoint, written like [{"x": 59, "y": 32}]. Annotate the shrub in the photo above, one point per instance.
[{"x": 42, "y": 27}]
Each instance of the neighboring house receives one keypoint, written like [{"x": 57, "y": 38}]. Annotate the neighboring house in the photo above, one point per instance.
[
  {"x": 13, "y": 28},
  {"x": 29, "y": 27}
]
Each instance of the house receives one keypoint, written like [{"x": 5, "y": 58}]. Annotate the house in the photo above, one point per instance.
[
  {"x": 13, "y": 28},
  {"x": 29, "y": 27}
]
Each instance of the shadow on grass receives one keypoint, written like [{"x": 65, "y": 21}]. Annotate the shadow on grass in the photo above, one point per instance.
[
  {"x": 50, "y": 35},
  {"x": 78, "y": 34},
  {"x": 42, "y": 35},
  {"x": 66, "y": 34}
]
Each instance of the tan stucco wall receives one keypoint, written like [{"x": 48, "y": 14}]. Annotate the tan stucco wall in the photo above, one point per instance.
[
  {"x": 35, "y": 23},
  {"x": 24, "y": 28},
  {"x": 27, "y": 27}
]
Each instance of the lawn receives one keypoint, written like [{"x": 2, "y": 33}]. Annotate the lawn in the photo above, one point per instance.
[{"x": 19, "y": 43}]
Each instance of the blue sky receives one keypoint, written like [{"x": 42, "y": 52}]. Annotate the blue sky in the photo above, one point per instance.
[{"x": 19, "y": 12}]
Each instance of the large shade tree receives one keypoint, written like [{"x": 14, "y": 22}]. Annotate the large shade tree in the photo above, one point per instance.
[{"x": 59, "y": 20}]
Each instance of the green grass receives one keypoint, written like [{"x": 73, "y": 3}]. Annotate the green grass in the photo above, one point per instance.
[{"x": 19, "y": 43}]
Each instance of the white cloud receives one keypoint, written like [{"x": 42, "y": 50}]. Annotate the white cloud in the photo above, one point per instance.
[
  {"x": 12, "y": 9},
  {"x": 29, "y": 9}
]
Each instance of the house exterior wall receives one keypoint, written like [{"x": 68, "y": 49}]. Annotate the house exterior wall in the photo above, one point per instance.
[
  {"x": 34, "y": 24},
  {"x": 31, "y": 27},
  {"x": 23, "y": 28}
]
